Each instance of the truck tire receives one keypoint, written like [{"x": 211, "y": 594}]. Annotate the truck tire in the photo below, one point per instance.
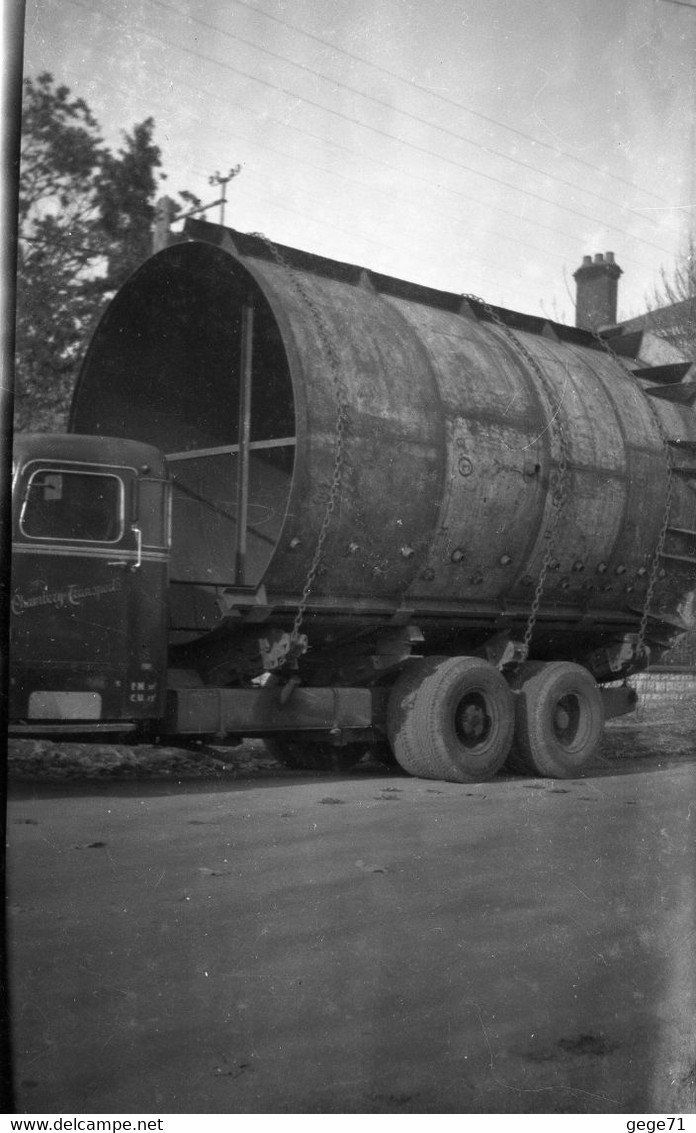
[
  {"x": 301, "y": 754},
  {"x": 452, "y": 718},
  {"x": 403, "y": 711},
  {"x": 559, "y": 719}
]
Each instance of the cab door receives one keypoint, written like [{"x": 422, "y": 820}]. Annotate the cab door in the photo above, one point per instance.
[{"x": 80, "y": 645}]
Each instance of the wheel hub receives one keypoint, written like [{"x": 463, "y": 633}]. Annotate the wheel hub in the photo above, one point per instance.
[
  {"x": 472, "y": 722},
  {"x": 566, "y": 719},
  {"x": 562, "y": 721}
]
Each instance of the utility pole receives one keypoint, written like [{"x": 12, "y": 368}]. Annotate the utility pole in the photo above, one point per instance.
[
  {"x": 218, "y": 179},
  {"x": 166, "y": 214}
]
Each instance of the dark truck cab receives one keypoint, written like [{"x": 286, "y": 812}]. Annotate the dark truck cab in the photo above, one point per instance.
[{"x": 90, "y": 555}]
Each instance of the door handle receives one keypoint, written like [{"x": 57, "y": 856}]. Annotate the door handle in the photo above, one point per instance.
[
  {"x": 139, "y": 547},
  {"x": 126, "y": 564}
]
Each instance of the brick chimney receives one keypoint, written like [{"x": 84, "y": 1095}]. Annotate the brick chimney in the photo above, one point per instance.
[{"x": 597, "y": 289}]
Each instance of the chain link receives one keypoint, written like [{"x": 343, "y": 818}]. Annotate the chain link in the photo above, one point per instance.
[
  {"x": 669, "y": 493},
  {"x": 339, "y": 435},
  {"x": 559, "y": 481}
]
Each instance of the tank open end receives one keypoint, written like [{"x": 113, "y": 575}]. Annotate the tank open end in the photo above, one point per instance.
[{"x": 189, "y": 358}]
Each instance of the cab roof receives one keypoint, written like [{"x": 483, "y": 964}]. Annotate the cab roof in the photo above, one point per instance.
[{"x": 111, "y": 451}]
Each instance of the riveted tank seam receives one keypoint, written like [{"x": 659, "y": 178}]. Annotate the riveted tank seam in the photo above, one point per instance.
[
  {"x": 593, "y": 468},
  {"x": 533, "y": 548},
  {"x": 453, "y": 370},
  {"x": 419, "y": 564},
  {"x": 590, "y": 359}
]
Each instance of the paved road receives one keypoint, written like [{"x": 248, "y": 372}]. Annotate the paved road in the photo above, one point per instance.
[{"x": 364, "y": 944}]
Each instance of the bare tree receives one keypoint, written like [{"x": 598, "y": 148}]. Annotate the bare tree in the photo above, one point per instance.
[{"x": 672, "y": 309}]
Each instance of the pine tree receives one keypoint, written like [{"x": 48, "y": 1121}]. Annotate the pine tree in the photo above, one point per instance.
[
  {"x": 125, "y": 196},
  {"x": 85, "y": 219},
  {"x": 58, "y": 255}
]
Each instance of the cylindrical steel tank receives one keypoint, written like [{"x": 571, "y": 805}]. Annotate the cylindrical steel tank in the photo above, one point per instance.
[{"x": 450, "y": 444}]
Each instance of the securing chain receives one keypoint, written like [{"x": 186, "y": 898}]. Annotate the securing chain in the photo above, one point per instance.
[
  {"x": 339, "y": 433},
  {"x": 669, "y": 493},
  {"x": 558, "y": 481},
  {"x": 659, "y": 548}
]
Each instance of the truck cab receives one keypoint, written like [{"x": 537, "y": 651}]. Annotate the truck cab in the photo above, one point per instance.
[{"x": 90, "y": 555}]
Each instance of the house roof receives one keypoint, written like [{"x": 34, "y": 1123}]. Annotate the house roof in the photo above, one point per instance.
[{"x": 664, "y": 319}]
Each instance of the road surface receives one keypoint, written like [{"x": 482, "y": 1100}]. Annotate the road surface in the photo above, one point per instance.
[{"x": 368, "y": 943}]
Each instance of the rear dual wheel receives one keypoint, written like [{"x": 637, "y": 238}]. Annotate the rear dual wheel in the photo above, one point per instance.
[
  {"x": 454, "y": 718},
  {"x": 451, "y": 718},
  {"x": 559, "y": 719}
]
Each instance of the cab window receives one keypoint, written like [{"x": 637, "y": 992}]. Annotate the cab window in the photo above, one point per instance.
[{"x": 76, "y": 506}]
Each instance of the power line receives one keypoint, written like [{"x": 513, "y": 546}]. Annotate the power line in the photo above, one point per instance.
[
  {"x": 331, "y": 225},
  {"x": 373, "y": 129},
  {"x": 507, "y": 237},
  {"x": 453, "y": 102},
  {"x": 383, "y": 102},
  {"x": 316, "y": 220},
  {"x": 313, "y": 219},
  {"x": 392, "y": 194},
  {"x": 388, "y": 165}
]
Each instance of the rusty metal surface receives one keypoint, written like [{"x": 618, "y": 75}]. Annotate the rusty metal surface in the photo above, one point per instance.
[{"x": 450, "y": 441}]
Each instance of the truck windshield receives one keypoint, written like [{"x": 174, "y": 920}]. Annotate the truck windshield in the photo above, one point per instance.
[{"x": 72, "y": 505}]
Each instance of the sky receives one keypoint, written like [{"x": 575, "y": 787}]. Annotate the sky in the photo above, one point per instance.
[{"x": 476, "y": 146}]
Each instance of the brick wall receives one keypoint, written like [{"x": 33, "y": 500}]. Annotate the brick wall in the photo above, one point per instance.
[{"x": 664, "y": 693}]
